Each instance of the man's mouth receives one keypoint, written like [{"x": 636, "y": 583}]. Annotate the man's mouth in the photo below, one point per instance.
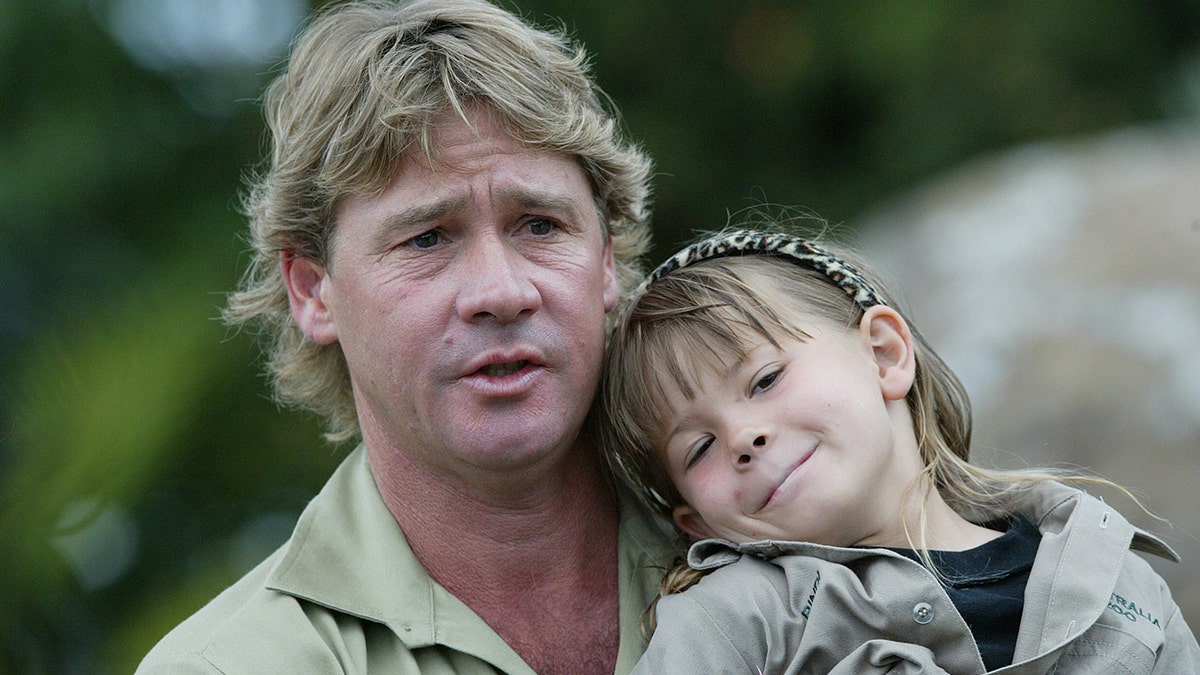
[{"x": 503, "y": 369}]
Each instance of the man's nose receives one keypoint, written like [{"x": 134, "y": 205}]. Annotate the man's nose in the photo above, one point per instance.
[{"x": 496, "y": 282}]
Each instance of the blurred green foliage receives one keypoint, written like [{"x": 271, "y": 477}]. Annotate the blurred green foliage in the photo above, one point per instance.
[{"x": 143, "y": 466}]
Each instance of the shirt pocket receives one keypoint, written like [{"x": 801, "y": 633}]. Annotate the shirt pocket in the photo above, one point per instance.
[{"x": 1107, "y": 649}]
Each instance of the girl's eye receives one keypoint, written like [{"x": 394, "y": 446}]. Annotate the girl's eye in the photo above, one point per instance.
[
  {"x": 541, "y": 226},
  {"x": 765, "y": 382},
  {"x": 426, "y": 239},
  {"x": 698, "y": 452}
]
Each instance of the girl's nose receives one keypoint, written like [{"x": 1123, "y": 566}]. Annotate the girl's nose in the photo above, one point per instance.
[{"x": 753, "y": 443}]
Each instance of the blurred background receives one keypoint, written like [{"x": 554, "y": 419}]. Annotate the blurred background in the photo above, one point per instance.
[{"x": 1027, "y": 171}]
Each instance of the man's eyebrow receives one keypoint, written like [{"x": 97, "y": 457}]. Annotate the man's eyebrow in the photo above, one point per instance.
[
  {"x": 539, "y": 199},
  {"x": 412, "y": 218}
]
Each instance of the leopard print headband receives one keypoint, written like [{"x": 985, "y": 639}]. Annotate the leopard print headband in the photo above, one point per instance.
[{"x": 748, "y": 242}]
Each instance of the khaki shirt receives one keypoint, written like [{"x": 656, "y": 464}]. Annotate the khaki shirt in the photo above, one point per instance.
[
  {"x": 346, "y": 594},
  {"x": 1091, "y": 606}
]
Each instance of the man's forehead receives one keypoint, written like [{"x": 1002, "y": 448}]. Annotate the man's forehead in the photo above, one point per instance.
[
  {"x": 494, "y": 156},
  {"x": 456, "y": 141}
]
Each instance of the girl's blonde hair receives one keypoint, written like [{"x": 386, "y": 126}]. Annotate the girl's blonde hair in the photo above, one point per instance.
[{"x": 711, "y": 310}]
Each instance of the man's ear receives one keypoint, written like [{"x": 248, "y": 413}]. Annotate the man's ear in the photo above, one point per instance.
[
  {"x": 690, "y": 521},
  {"x": 891, "y": 344},
  {"x": 306, "y": 282},
  {"x": 612, "y": 285}
]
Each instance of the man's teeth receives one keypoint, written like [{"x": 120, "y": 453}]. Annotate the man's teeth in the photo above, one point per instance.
[{"x": 502, "y": 369}]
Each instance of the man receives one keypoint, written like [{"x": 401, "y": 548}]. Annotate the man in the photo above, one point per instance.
[{"x": 448, "y": 218}]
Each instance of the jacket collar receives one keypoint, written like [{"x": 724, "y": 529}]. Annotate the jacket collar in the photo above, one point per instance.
[
  {"x": 1050, "y": 505},
  {"x": 1082, "y": 552}
]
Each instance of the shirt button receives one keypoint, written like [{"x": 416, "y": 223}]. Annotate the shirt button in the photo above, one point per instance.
[{"x": 922, "y": 612}]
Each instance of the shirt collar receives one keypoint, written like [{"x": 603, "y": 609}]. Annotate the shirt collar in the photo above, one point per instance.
[{"x": 348, "y": 554}]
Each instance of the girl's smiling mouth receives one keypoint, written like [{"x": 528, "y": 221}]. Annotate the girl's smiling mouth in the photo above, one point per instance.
[{"x": 785, "y": 481}]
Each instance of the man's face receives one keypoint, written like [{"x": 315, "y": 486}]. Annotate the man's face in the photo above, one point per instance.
[{"x": 469, "y": 299}]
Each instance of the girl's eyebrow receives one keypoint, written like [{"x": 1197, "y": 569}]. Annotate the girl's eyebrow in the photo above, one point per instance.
[{"x": 722, "y": 376}]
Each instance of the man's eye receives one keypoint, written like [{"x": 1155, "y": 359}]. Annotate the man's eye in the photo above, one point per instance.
[
  {"x": 426, "y": 240},
  {"x": 541, "y": 227},
  {"x": 765, "y": 382}
]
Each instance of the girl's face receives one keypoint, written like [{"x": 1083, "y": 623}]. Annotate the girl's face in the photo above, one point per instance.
[{"x": 808, "y": 441}]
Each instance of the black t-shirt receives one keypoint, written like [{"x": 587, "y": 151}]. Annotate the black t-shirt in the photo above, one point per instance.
[{"x": 987, "y": 585}]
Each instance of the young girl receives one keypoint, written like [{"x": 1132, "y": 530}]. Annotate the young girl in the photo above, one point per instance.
[{"x": 767, "y": 395}]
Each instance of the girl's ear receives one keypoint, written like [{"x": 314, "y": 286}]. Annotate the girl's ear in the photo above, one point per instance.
[
  {"x": 690, "y": 521},
  {"x": 891, "y": 344},
  {"x": 306, "y": 281}
]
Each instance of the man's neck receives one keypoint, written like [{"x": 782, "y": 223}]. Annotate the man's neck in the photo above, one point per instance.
[{"x": 536, "y": 559}]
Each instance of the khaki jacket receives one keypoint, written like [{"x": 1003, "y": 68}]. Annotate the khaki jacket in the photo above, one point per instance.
[
  {"x": 346, "y": 595},
  {"x": 1091, "y": 606}
]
